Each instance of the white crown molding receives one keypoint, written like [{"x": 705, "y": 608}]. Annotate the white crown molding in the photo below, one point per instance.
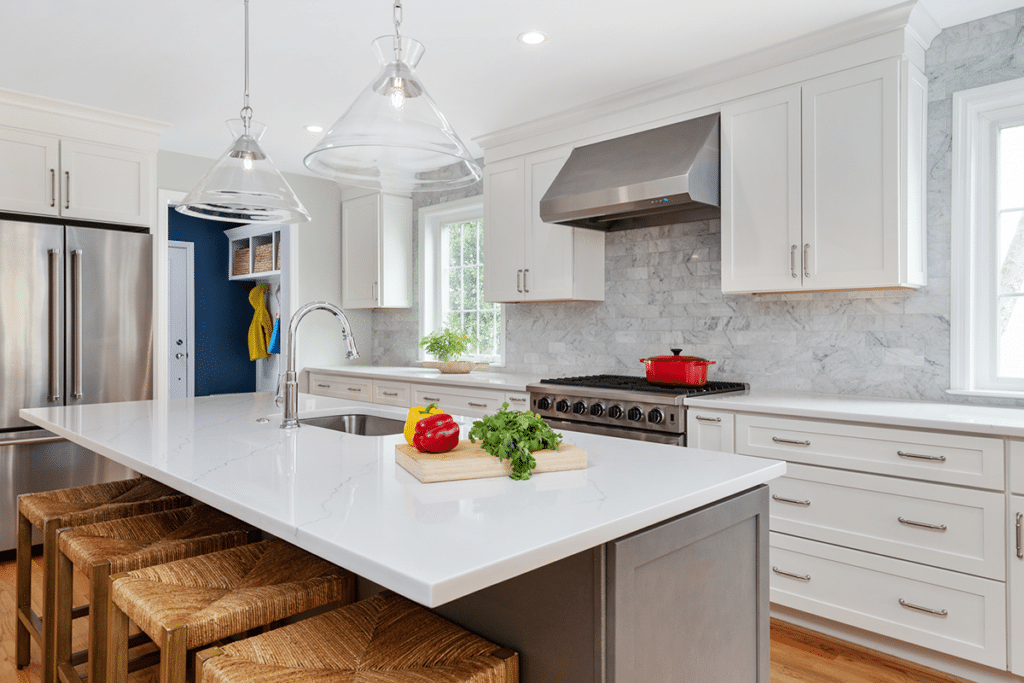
[
  {"x": 105, "y": 117},
  {"x": 907, "y": 16}
]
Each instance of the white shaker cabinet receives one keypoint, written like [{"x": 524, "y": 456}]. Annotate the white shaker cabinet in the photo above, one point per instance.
[
  {"x": 51, "y": 176},
  {"x": 376, "y": 252},
  {"x": 711, "y": 430},
  {"x": 526, "y": 259},
  {"x": 1015, "y": 555},
  {"x": 823, "y": 183}
]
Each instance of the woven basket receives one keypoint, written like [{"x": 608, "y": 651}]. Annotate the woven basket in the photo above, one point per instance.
[
  {"x": 240, "y": 264},
  {"x": 277, "y": 256},
  {"x": 264, "y": 258},
  {"x": 454, "y": 367}
]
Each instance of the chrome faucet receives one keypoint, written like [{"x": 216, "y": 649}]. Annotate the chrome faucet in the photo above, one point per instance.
[{"x": 291, "y": 386}]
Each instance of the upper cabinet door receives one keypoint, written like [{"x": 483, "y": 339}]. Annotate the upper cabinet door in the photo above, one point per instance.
[
  {"x": 504, "y": 239},
  {"x": 28, "y": 172},
  {"x": 851, "y": 178},
  {"x": 548, "y": 272},
  {"x": 360, "y": 249},
  {"x": 761, "y": 238},
  {"x": 104, "y": 183}
]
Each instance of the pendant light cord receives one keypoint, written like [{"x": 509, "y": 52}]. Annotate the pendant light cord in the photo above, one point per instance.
[
  {"x": 246, "y": 113},
  {"x": 397, "y": 16}
]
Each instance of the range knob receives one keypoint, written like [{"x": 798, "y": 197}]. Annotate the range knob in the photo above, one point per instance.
[
  {"x": 615, "y": 412},
  {"x": 597, "y": 410},
  {"x": 635, "y": 414},
  {"x": 656, "y": 416},
  {"x": 579, "y": 407},
  {"x": 543, "y": 403},
  {"x": 562, "y": 406}
]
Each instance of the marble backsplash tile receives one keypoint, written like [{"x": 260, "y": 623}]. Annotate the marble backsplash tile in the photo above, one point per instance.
[{"x": 663, "y": 286}]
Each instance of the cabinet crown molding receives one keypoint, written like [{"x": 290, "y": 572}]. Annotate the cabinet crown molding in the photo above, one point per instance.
[{"x": 11, "y": 101}]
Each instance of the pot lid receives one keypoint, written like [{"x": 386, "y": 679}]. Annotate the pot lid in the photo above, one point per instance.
[{"x": 677, "y": 358}]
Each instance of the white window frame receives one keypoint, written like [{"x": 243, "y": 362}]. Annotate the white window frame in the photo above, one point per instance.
[
  {"x": 431, "y": 220},
  {"x": 977, "y": 116}
]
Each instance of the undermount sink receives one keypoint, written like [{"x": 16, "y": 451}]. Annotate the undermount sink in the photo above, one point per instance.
[{"x": 356, "y": 423}]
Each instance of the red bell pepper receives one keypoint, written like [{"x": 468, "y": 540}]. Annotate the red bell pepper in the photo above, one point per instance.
[{"x": 436, "y": 434}]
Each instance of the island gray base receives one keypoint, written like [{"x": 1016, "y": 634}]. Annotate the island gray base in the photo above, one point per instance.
[{"x": 682, "y": 601}]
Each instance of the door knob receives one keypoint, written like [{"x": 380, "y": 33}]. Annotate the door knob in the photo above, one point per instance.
[
  {"x": 179, "y": 342},
  {"x": 179, "y": 356}
]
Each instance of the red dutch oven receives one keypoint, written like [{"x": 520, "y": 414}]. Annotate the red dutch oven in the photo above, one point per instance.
[{"x": 677, "y": 370}]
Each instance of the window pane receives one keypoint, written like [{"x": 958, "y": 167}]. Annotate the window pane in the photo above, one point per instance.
[
  {"x": 455, "y": 290},
  {"x": 455, "y": 241},
  {"x": 1011, "y": 337},
  {"x": 1011, "y": 168},
  {"x": 469, "y": 230},
  {"x": 471, "y": 289},
  {"x": 1011, "y": 252}
]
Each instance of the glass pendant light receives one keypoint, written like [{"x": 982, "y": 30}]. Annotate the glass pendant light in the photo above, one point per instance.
[
  {"x": 393, "y": 137},
  {"x": 243, "y": 186}
]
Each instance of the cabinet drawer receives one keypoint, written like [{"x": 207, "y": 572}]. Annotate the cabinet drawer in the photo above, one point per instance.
[
  {"x": 947, "y": 458},
  {"x": 864, "y": 511},
  {"x": 712, "y": 430},
  {"x": 392, "y": 393},
  {"x": 341, "y": 387},
  {"x": 866, "y": 591},
  {"x": 466, "y": 402},
  {"x": 521, "y": 401}
]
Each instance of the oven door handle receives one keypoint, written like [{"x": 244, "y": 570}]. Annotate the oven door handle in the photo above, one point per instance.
[{"x": 622, "y": 433}]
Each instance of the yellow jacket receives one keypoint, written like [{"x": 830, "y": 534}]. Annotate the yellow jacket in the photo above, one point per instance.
[{"x": 262, "y": 325}]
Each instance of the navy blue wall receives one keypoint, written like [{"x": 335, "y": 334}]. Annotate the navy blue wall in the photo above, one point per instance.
[{"x": 223, "y": 312}]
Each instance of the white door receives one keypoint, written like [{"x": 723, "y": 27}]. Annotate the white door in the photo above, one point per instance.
[
  {"x": 1016, "y": 552},
  {"x": 104, "y": 183},
  {"x": 505, "y": 224},
  {"x": 851, "y": 158},
  {"x": 181, "y": 319},
  {"x": 548, "y": 272},
  {"x": 360, "y": 252},
  {"x": 761, "y": 218},
  {"x": 28, "y": 176}
]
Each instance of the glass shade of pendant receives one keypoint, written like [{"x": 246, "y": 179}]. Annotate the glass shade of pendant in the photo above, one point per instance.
[
  {"x": 393, "y": 137},
  {"x": 244, "y": 186}
]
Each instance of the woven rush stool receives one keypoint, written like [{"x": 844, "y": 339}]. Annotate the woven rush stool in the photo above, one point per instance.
[
  {"x": 121, "y": 545},
  {"x": 385, "y": 639},
  {"x": 191, "y": 603},
  {"x": 49, "y": 511}
]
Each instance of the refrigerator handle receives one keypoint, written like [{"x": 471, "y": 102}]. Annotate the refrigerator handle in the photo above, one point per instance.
[
  {"x": 54, "y": 326},
  {"x": 76, "y": 324}
]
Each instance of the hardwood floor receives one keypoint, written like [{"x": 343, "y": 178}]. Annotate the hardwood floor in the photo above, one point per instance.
[{"x": 798, "y": 655}]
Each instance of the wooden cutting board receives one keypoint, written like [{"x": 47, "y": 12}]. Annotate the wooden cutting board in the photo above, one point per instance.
[{"x": 471, "y": 461}]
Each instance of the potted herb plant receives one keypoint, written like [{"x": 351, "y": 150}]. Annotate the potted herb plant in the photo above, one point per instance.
[{"x": 448, "y": 346}]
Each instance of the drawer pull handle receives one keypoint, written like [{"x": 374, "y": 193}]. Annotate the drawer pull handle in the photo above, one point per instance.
[
  {"x": 792, "y": 501},
  {"x": 353, "y": 389},
  {"x": 936, "y": 458},
  {"x": 929, "y": 610},
  {"x": 430, "y": 398},
  {"x": 801, "y": 577},
  {"x": 701, "y": 418},
  {"x": 477, "y": 405},
  {"x": 390, "y": 393},
  {"x": 324, "y": 386},
  {"x": 777, "y": 439},
  {"x": 517, "y": 400},
  {"x": 1020, "y": 535},
  {"x": 923, "y": 525}
]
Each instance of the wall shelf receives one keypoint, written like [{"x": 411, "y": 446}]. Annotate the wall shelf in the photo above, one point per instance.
[{"x": 255, "y": 252}]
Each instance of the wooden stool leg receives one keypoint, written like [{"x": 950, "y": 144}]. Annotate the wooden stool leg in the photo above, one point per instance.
[
  {"x": 117, "y": 643},
  {"x": 23, "y": 583},
  {"x": 202, "y": 657},
  {"x": 50, "y": 552},
  {"x": 173, "y": 654},
  {"x": 60, "y": 655},
  {"x": 99, "y": 608}
]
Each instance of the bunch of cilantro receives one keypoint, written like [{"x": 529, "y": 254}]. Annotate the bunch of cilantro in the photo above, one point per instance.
[{"x": 514, "y": 435}]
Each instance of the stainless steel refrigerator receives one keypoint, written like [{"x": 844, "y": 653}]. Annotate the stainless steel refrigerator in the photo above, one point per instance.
[{"x": 76, "y": 326}]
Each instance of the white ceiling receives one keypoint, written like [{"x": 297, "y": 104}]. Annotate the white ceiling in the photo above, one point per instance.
[{"x": 181, "y": 61}]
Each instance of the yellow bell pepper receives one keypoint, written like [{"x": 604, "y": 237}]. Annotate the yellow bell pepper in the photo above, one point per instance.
[{"x": 417, "y": 413}]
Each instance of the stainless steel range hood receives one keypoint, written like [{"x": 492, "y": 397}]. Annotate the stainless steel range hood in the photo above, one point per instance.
[{"x": 656, "y": 177}]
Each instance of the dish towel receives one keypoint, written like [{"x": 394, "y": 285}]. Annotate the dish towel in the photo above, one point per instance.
[
  {"x": 261, "y": 327},
  {"x": 275, "y": 337}
]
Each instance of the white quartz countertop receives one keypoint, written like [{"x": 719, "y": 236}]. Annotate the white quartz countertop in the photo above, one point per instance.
[
  {"x": 480, "y": 379},
  {"x": 974, "y": 419},
  {"x": 341, "y": 496}
]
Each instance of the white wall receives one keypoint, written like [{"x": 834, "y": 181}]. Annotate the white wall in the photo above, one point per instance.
[{"x": 315, "y": 263}]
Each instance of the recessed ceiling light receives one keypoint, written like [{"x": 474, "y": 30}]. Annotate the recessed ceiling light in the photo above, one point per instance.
[
  {"x": 315, "y": 129},
  {"x": 532, "y": 37}
]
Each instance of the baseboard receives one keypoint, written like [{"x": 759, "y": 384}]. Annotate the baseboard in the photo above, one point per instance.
[{"x": 939, "y": 661}]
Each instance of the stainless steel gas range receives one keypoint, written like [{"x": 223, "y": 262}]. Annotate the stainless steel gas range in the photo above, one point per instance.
[{"x": 619, "y": 405}]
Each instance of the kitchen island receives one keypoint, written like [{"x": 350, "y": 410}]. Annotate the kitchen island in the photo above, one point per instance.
[{"x": 455, "y": 545}]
